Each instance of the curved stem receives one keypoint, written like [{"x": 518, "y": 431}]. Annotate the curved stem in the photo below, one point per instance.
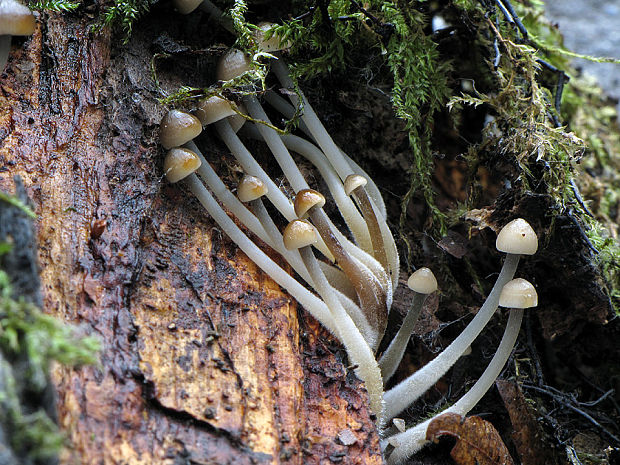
[
  {"x": 376, "y": 236},
  {"x": 408, "y": 391},
  {"x": 359, "y": 351},
  {"x": 393, "y": 355},
  {"x": 5, "y": 48},
  {"x": 412, "y": 440}
]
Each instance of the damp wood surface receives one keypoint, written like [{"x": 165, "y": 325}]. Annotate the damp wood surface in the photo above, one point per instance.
[{"x": 205, "y": 360}]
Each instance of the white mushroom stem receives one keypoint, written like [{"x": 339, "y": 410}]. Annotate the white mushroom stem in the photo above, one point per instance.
[
  {"x": 359, "y": 351},
  {"x": 284, "y": 107},
  {"x": 251, "y": 166},
  {"x": 408, "y": 391},
  {"x": 412, "y": 440},
  {"x": 394, "y": 354},
  {"x": 315, "y": 306},
  {"x": 218, "y": 15},
  {"x": 313, "y": 154}
]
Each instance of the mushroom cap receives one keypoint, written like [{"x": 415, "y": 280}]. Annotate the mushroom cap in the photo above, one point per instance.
[
  {"x": 517, "y": 237},
  {"x": 518, "y": 293},
  {"x": 251, "y": 188},
  {"x": 177, "y": 128},
  {"x": 185, "y": 7},
  {"x": 232, "y": 64},
  {"x": 180, "y": 163},
  {"x": 307, "y": 199},
  {"x": 422, "y": 281},
  {"x": 353, "y": 181},
  {"x": 299, "y": 233},
  {"x": 213, "y": 109},
  {"x": 272, "y": 44},
  {"x": 16, "y": 19}
]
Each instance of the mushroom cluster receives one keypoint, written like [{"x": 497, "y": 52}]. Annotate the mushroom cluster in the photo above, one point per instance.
[{"x": 345, "y": 280}]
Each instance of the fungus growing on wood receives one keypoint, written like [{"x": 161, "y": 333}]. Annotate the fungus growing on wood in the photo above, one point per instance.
[
  {"x": 422, "y": 282},
  {"x": 177, "y": 128},
  {"x": 15, "y": 20}
]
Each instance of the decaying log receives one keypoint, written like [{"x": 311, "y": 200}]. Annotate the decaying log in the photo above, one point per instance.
[{"x": 205, "y": 359}]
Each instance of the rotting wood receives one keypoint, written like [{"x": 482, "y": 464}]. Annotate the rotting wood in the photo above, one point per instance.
[{"x": 202, "y": 356}]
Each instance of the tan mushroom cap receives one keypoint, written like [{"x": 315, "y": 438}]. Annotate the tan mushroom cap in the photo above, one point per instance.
[
  {"x": 272, "y": 44},
  {"x": 251, "y": 188},
  {"x": 185, "y": 7},
  {"x": 177, "y": 128},
  {"x": 422, "y": 281},
  {"x": 298, "y": 234},
  {"x": 180, "y": 163},
  {"x": 213, "y": 109},
  {"x": 232, "y": 64},
  {"x": 518, "y": 293},
  {"x": 307, "y": 199},
  {"x": 16, "y": 19},
  {"x": 353, "y": 181},
  {"x": 517, "y": 237}
]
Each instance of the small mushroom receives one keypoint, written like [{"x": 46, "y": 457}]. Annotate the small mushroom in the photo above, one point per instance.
[
  {"x": 517, "y": 294},
  {"x": 423, "y": 283},
  {"x": 516, "y": 238},
  {"x": 177, "y": 128},
  {"x": 273, "y": 43},
  {"x": 15, "y": 20},
  {"x": 232, "y": 64},
  {"x": 180, "y": 163}
]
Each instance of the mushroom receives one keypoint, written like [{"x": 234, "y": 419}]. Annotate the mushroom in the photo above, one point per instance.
[
  {"x": 354, "y": 185},
  {"x": 300, "y": 234},
  {"x": 371, "y": 295},
  {"x": 422, "y": 282},
  {"x": 15, "y": 20},
  {"x": 177, "y": 128},
  {"x": 517, "y": 294},
  {"x": 516, "y": 238}
]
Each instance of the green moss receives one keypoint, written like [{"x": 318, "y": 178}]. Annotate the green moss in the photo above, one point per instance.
[{"x": 56, "y": 6}]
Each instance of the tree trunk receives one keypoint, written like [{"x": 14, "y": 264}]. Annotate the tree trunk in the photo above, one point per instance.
[{"x": 205, "y": 359}]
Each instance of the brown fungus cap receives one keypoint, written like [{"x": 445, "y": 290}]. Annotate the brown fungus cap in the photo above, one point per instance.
[
  {"x": 272, "y": 44},
  {"x": 232, "y": 64},
  {"x": 180, "y": 163},
  {"x": 353, "y": 181},
  {"x": 185, "y": 7},
  {"x": 251, "y": 188},
  {"x": 517, "y": 237},
  {"x": 518, "y": 293},
  {"x": 16, "y": 19},
  {"x": 298, "y": 234},
  {"x": 177, "y": 128},
  {"x": 307, "y": 199},
  {"x": 422, "y": 281},
  {"x": 213, "y": 109}
]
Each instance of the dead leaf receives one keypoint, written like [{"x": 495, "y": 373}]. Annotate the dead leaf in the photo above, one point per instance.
[
  {"x": 477, "y": 441},
  {"x": 527, "y": 432}
]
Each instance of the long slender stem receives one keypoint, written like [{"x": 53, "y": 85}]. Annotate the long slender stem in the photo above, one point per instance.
[
  {"x": 393, "y": 355},
  {"x": 408, "y": 391},
  {"x": 309, "y": 301},
  {"x": 372, "y": 222},
  {"x": 359, "y": 351},
  {"x": 5, "y": 48},
  {"x": 412, "y": 440}
]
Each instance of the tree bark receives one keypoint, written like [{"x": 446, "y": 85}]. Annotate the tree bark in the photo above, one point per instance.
[{"x": 205, "y": 359}]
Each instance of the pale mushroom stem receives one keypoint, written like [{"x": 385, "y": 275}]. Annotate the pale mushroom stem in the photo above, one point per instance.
[
  {"x": 5, "y": 48},
  {"x": 372, "y": 222},
  {"x": 394, "y": 354},
  {"x": 408, "y": 391},
  {"x": 412, "y": 440},
  {"x": 359, "y": 351},
  {"x": 315, "y": 306}
]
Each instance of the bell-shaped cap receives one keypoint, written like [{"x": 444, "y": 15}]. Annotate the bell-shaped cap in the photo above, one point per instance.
[
  {"x": 422, "y": 281},
  {"x": 250, "y": 188},
  {"x": 272, "y": 44},
  {"x": 298, "y": 234},
  {"x": 213, "y": 109},
  {"x": 518, "y": 293},
  {"x": 16, "y": 19},
  {"x": 232, "y": 64},
  {"x": 353, "y": 181},
  {"x": 185, "y": 7},
  {"x": 517, "y": 237},
  {"x": 307, "y": 199},
  {"x": 180, "y": 163},
  {"x": 177, "y": 128}
]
